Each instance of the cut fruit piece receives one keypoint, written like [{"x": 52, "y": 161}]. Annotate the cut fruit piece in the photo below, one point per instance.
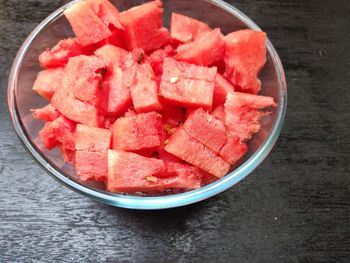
[
  {"x": 157, "y": 58},
  {"x": 137, "y": 133},
  {"x": 47, "y": 113},
  {"x": 144, "y": 92},
  {"x": 67, "y": 155},
  {"x": 242, "y": 113},
  {"x": 143, "y": 26},
  {"x": 206, "y": 129},
  {"x": 219, "y": 112},
  {"x": 115, "y": 96},
  {"x": 187, "y": 85},
  {"x": 245, "y": 56},
  {"x": 60, "y": 131},
  {"x": 91, "y": 165},
  {"x": 107, "y": 12},
  {"x": 222, "y": 87},
  {"x": 233, "y": 150},
  {"x": 130, "y": 173},
  {"x": 59, "y": 55},
  {"x": 48, "y": 81},
  {"x": 183, "y": 176},
  {"x": 204, "y": 51},
  {"x": 111, "y": 55},
  {"x": 173, "y": 116},
  {"x": 186, "y": 29},
  {"x": 82, "y": 77},
  {"x": 87, "y": 26},
  {"x": 195, "y": 153},
  {"x": 92, "y": 139}
]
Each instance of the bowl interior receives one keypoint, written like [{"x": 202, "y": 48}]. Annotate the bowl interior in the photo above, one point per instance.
[{"x": 56, "y": 27}]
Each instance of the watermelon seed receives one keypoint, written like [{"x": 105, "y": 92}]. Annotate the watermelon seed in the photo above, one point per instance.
[
  {"x": 152, "y": 179},
  {"x": 174, "y": 79},
  {"x": 166, "y": 141},
  {"x": 155, "y": 155}
]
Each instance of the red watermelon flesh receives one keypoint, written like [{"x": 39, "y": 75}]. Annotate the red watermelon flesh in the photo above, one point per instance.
[
  {"x": 47, "y": 137},
  {"x": 187, "y": 85},
  {"x": 186, "y": 29},
  {"x": 219, "y": 112},
  {"x": 204, "y": 51},
  {"x": 192, "y": 151},
  {"x": 172, "y": 115},
  {"x": 48, "y": 81},
  {"x": 107, "y": 12},
  {"x": 243, "y": 114},
  {"x": 144, "y": 92},
  {"x": 137, "y": 133},
  {"x": 143, "y": 26},
  {"x": 182, "y": 176},
  {"x": 111, "y": 55},
  {"x": 130, "y": 173},
  {"x": 222, "y": 87},
  {"x": 67, "y": 155},
  {"x": 87, "y": 26},
  {"x": 245, "y": 56},
  {"x": 92, "y": 139},
  {"x": 91, "y": 165},
  {"x": 83, "y": 78},
  {"x": 59, "y": 55},
  {"x": 233, "y": 150},
  {"x": 157, "y": 58},
  {"x": 47, "y": 113},
  {"x": 206, "y": 129}
]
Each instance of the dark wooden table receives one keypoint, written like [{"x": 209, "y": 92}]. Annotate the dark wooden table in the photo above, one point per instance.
[{"x": 293, "y": 208}]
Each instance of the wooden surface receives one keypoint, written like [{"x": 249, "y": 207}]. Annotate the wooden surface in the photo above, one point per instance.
[{"x": 293, "y": 208}]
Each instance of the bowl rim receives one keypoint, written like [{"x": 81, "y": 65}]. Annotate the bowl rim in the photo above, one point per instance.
[{"x": 158, "y": 202}]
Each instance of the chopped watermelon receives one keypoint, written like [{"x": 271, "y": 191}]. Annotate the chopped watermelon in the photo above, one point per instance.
[
  {"x": 192, "y": 151},
  {"x": 67, "y": 155},
  {"x": 130, "y": 173},
  {"x": 87, "y": 26},
  {"x": 242, "y": 113},
  {"x": 172, "y": 115},
  {"x": 137, "y": 133},
  {"x": 91, "y": 165},
  {"x": 158, "y": 56},
  {"x": 219, "y": 112},
  {"x": 222, "y": 87},
  {"x": 144, "y": 92},
  {"x": 59, "y": 55},
  {"x": 107, "y": 12},
  {"x": 204, "y": 51},
  {"x": 143, "y": 26},
  {"x": 183, "y": 176},
  {"x": 92, "y": 139},
  {"x": 48, "y": 81},
  {"x": 206, "y": 129},
  {"x": 245, "y": 56},
  {"x": 111, "y": 55},
  {"x": 60, "y": 131},
  {"x": 186, "y": 29},
  {"x": 187, "y": 85},
  {"x": 47, "y": 113},
  {"x": 233, "y": 150}
]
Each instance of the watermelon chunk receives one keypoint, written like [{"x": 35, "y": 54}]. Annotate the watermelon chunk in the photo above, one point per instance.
[
  {"x": 87, "y": 26},
  {"x": 67, "y": 155},
  {"x": 157, "y": 58},
  {"x": 184, "y": 176},
  {"x": 206, "y": 129},
  {"x": 219, "y": 112},
  {"x": 92, "y": 139},
  {"x": 242, "y": 113},
  {"x": 192, "y": 151},
  {"x": 91, "y": 165},
  {"x": 245, "y": 56},
  {"x": 59, "y": 55},
  {"x": 47, "y": 113},
  {"x": 204, "y": 51},
  {"x": 187, "y": 85},
  {"x": 130, "y": 173},
  {"x": 144, "y": 92},
  {"x": 111, "y": 55},
  {"x": 186, "y": 29},
  {"x": 137, "y": 133},
  {"x": 60, "y": 131},
  {"x": 48, "y": 81},
  {"x": 233, "y": 150},
  {"x": 83, "y": 78},
  {"x": 143, "y": 26},
  {"x": 222, "y": 87},
  {"x": 107, "y": 12}
]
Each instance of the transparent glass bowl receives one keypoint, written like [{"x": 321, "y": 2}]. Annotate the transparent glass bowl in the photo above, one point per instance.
[{"x": 21, "y": 99}]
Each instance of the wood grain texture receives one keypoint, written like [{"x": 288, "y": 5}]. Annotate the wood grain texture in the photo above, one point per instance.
[{"x": 294, "y": 208}]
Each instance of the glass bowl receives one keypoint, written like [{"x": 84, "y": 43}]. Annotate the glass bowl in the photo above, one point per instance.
[{"x": 21, "y": 99}]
